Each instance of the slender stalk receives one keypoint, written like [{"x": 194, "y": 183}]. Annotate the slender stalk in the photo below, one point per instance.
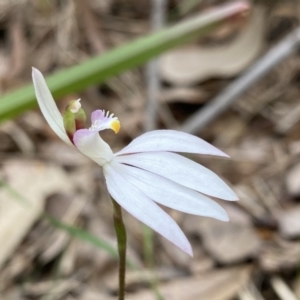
[{"x": 121, "y": 238}]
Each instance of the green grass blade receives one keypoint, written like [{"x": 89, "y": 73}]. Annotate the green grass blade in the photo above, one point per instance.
[
  {"x": 73, "y": 231},
  {"x": 87, "y": 237},
  {"x": 100, "y": 68},
  {"x": 82, "y": 235}
]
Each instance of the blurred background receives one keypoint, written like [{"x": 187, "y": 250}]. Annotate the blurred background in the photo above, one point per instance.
[{"x": 237, "y": 87}]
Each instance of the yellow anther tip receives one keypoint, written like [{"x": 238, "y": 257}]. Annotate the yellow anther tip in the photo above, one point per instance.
[{"x": 115, "y": 126}]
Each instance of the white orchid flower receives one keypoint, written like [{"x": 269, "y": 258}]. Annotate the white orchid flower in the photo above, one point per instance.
[{"x": 147, "y": 170}]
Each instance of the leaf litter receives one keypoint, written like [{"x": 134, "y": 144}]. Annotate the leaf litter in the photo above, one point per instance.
[{"x": 255, "y": 256}]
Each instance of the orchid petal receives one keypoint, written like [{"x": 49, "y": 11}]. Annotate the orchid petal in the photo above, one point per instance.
[
  {"x": 182, "y": 171},
  {"x": 170, "y": 140},
  {"x": 48, "y": 106},
  {"x": 97, "y": 115},
  {"x": 171, "y": 194},
  {"x": 101, "y": 120},
  {"x": 144, "y": 209},
  {"x": 91, "y": 144}
]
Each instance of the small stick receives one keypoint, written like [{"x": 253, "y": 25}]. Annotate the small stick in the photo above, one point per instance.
[
  {"x": 282, "y": 290},
  {"x": 152, "y": 71},
  {"x": 216, "y": 106},
  {"x": 250, "y": 293}
]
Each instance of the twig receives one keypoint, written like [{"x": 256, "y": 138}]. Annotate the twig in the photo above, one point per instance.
[
  {"x": 18, "y": 41},
  {"x": 272, "y": 58},
  {"x": 93, "y": 35},
  {"x": 250, "y": 293},
  {"x": 152, "y": 71},
  {"x": 19, "y": 136},
  {"x": 282, "y": 290}
]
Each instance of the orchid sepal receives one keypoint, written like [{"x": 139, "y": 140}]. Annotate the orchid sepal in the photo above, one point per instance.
[{"x": 48, "y": 106}]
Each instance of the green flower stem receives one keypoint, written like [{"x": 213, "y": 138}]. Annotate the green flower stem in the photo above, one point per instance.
[{"x": 121, "y": 238}]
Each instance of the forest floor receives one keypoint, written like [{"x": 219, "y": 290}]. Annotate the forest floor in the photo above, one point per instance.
[{"x": 253, "y": 257}]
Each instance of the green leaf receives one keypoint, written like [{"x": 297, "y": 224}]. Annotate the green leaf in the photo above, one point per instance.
[
  {"x": 87, "y": 237},
  {"x": 82, "y": 235},
  {"x": 102, "y": 67},
  {"x": 73, "y": 231}
]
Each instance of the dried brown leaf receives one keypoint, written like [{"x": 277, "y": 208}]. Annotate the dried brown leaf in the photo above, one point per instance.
[
  {"x": 216, "y": 285},
  {"x": 192, "y": 64},
  {"x": 33, "y": 181}
]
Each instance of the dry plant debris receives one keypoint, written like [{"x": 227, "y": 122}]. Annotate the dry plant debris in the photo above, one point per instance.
[
  {"x": 255, "y": 256},
  {"x": 192, "y": 64}
]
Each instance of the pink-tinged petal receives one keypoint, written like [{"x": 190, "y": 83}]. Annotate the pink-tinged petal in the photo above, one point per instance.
[
  {"x": 91, "y": 144},
  {"x": 48, "y": 106},
  {"x": 97, "y": 115},
  {"x": 181, "y": 170},
  {"x": 144, "y": 209},
  {"x": 101, "y": 120},
  {"x": 170, "y": 140},
  {"x": 171, "y": 194}
]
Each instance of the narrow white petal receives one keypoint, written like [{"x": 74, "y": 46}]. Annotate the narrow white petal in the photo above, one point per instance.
[
  {"x": 48, "y": 106},
  {"x": 143, "y": 208},
  {"x": 91, "y": 144},
  {"x": 181, "y": 170},
  {"x": 170, "y": 140},
  {"x": 171, "y": 194}
]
